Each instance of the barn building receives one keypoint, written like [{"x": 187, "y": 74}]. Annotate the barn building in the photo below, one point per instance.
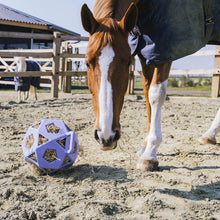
[
  {"x": 19, "y": 30},
  {"x": 12, "y": 20}
]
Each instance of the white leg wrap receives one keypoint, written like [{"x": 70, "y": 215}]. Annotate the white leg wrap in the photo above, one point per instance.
[
  {"x": 215, "y": 127},
  {"x": 142, "y": 148},
  {"x": 157, "y": 96}
]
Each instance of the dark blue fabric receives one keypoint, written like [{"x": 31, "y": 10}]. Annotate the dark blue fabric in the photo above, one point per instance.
[
  {"x": 23, "y": 83},
  {"x": 33, "y": 66},
  {"x": 170, "y": 29}
]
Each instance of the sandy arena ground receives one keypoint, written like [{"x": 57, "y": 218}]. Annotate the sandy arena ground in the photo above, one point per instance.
[{"x": 106, "y": 185}]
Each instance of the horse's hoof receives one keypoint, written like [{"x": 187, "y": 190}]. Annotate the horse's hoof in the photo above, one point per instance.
[
  {"x": 206, "y": 140},
  {"x": 147, "y": 165}
]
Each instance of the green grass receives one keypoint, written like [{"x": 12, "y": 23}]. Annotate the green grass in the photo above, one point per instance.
[
  {"x": 195, "y": 88},
  {"x": 80, "y": 90},
  {"x": 75, "y": 90},
  {"x": 6, "y": 90},
  {"x": 43, "y": 91},
  {"x": 138, "y": 85}
]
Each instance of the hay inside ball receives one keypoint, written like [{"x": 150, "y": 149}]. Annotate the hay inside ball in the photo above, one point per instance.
[{"x": 50, "y": 145}]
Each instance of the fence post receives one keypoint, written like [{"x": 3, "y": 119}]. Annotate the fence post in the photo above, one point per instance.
[
  {"x": 56, "y": 64},
  {"x": 131, "y": 77},
  {"x": 216, "y": 77},
  {"x": 68, "y": 67},
  {"x": 62, "y": 69}
]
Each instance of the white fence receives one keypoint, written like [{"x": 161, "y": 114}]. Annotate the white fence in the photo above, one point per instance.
[{"x": 58, "y": 64}]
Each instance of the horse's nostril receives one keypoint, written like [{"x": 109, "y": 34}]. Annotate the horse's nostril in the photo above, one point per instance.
[
  {"x": 108, "y": 142},
  {"x": 96, "y": 134},
  {"x": 117, "y": 135}
]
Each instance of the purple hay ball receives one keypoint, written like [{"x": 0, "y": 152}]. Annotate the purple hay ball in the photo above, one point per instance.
[{"x": 50, "y": 145}]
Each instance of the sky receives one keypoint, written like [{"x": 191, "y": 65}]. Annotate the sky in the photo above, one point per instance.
[{"x": 66, "y": 13}]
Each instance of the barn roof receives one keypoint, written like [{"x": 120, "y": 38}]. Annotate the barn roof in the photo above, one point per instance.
[{"x": 12, "y": 16}]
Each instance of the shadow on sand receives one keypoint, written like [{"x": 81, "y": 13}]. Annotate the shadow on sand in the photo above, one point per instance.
[
  {"x": 209, "y": 191},
  {"x": 85, "y": 171}
]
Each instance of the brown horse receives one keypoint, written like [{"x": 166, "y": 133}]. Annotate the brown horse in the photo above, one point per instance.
[{"x": 108, "y": 59}]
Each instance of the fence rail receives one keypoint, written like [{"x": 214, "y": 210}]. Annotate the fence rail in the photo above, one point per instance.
[
  {"x": 56, "y": 63},
  {"x": 43, "y": 53},
  {"x": 189, "y": 73}
]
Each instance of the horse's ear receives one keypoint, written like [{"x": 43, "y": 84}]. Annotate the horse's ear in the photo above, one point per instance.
[
  {"x": 130, "y": 18},
  {"x": 88, "y": 21}
]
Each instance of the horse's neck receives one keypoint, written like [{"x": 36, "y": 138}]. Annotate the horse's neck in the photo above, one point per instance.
[{"x": 111, "y": 8}]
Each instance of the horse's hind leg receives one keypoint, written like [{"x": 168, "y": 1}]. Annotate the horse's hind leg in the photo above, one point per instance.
[
  {"x": 33, "y": 90},
  {"x": 26, "y": 95},
  {"x": 209, "y": 136},
  {"x": 35, "y": 93},
  {"x": 156, "y": 94}
]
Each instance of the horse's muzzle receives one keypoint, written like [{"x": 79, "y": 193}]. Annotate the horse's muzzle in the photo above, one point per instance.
[{"x": 109, "y": 144}]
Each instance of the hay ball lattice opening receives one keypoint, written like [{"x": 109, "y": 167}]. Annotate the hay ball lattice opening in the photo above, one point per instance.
[{"x": 50, "y": 145}]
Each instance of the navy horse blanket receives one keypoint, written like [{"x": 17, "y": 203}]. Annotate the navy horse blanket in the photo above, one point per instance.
[
  {"x": 23, "y": 83},
  {"x": 170, "y": 29}
]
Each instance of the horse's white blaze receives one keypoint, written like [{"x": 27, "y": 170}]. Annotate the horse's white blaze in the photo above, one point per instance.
[
  {"x": 157, "y": 96},
  {"x": 215, "y": 127},
  {"x": 105, "y": 95}
]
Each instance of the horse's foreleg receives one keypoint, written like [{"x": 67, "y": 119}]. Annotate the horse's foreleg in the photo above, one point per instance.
[
  {"x": 156, "y": 97},
  {"x": 33, "y": 90},
  {"x": 35, "y": 93},
  {"x": 209, "y": 136},
  {"x": 149, "y": 161},
  {"x": 147, "y": 75},
  {"x": 19, "y": 96}
]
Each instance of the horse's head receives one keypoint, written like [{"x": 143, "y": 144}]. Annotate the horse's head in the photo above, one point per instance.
[
  {"x": 108, "y": 59},
  {"x": 21, "y": 64}
]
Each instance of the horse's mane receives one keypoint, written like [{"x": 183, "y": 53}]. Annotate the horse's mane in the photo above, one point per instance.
[
  {"x": 107, "y": 13},
  {"x": 104, "y": 8},
  {"x": 103, "y": 35}
]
